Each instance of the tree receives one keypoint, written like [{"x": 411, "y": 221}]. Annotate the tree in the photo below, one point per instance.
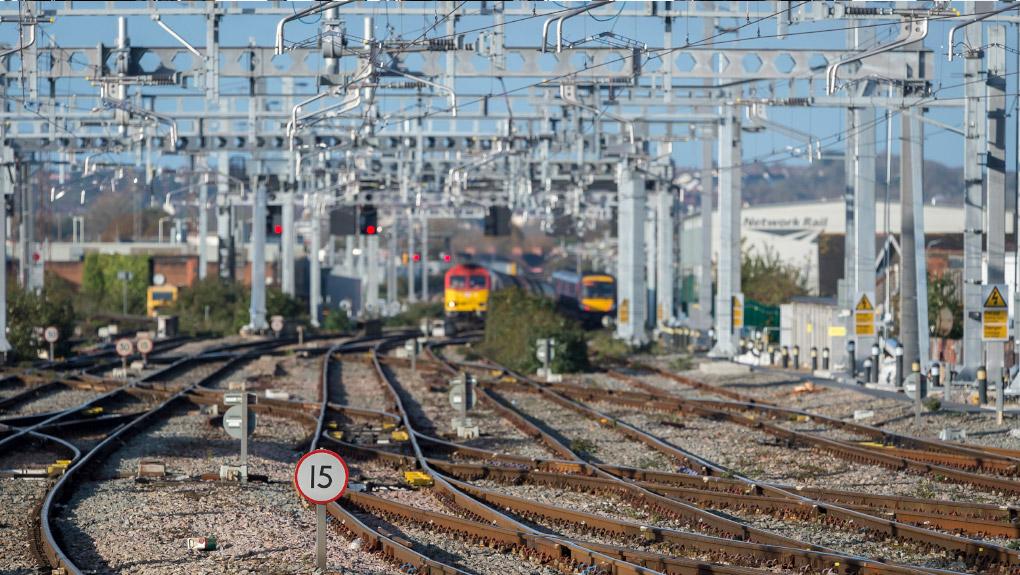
[
  {"x": 942, "y": 295},
  {"x": 766, "y": 279},
  {"x": 27, "y": 312}
]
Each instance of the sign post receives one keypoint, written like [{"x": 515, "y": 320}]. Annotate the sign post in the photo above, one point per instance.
[
  {"x": 321, "y": 478},
  {"x": 51, "y": 334},
  {"x": 864, "y": 315},
  {"x": 995, "y": 328},
  {"x": 411, "y": 346},
  {"x": 124, "y": 347},
  {"x": 545, "y": 352},
  {"x": 276, "y": 324},
  {"x": 239, "y": 422},
  {"x": 145, "y": 346}
]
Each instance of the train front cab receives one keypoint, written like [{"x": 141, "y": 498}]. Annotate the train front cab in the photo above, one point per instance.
[
  {"x": 598, "y": 298},
  {"x": 465, "y": 295}
]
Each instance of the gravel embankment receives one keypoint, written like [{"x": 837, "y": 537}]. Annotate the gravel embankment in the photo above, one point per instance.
[
  {"x": 430, "y": 400},
  {"x": 19, "y": 499},
  {"x": 56, "y": 399},
  {"x": 358, "y": 386},
  {"x": 586, "y": 437},
  {"x": 760, "y": 456},
  {"x": 298, "y": 376}
]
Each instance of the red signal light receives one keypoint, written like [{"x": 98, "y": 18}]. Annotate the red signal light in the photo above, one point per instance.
[
  {"x": 417, "y": 257},
  {"x": 370, "y": 230},
  {"x": 446, "y": 258},
  {"x": 278, "y": 229}
]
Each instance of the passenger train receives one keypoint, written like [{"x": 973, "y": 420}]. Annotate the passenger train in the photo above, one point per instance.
[{"x": 590, "y": 298}]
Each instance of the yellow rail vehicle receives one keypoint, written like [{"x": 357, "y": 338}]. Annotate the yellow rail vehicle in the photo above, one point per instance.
[{"x": 590, "y": 297}]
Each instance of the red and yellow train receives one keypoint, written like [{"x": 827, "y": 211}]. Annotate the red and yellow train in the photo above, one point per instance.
[{"x": 588, "y": 297}]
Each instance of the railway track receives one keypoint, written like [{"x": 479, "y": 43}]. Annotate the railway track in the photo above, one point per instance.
[{"x": 974, "y": 550}]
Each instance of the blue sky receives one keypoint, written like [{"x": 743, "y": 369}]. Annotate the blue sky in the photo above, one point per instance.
[{"x": 941, "y": 145}]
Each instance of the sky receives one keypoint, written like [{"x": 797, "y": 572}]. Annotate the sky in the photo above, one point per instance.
[{"x": 769, "y": 147}]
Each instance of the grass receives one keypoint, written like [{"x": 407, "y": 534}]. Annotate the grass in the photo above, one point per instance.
[
  {"x": 932, "y": 404},
  {"x": 682, "y": 363},
  {"x": 603, "y": 346},
  {"x": 582, "y": 446}
]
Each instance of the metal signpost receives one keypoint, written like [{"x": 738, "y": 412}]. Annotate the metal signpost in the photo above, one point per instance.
[
  {"x": 995, "y": 328},
  {"x": 51, "y": 334},
  {"x": 276, "y": 324},
  {"x": 321, "y": 478},
  {"x": 462, "y": 398},
  {"x": 545, "y": 351},
  {"x": 239, "y": 422},
  {"x": 145, "y": 346},
  {"x": 124, "y": 278},
  {"x": 124, "y": 347},
  {"x": 411, "y": 346}
]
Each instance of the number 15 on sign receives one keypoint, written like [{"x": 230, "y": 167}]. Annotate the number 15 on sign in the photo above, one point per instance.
[{"x": 321, "y": 478}]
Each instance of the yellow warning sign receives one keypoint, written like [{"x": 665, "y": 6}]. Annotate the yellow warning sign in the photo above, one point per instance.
[
  {"x": 864, "y": 304},
  {"x": 738, "y": 311},
  {"x": 864, "y": 316},
  {"x": 624, "y": 313},
  {"x": 995, "y": 299},
  {"x": 837, "y": 331},
  {"x": 995, "y": 315}
]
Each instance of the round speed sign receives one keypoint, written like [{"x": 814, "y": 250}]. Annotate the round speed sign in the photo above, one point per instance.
[
  {"x": 144, "y": 346},
  {"x": 321, "y": 476},
  {"x": 124, "y": 347},
  {"x": 51, "y": 334}
]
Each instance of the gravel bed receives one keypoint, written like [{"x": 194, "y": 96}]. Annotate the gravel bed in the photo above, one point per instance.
[
  {"x": 845, "y": 541},
  {"x": 32, "y": 454},
  {"x": 298, "y": 376},
  {"x": 981, "y": 428},
  {"x": 57, "y": 399},
  {"x": 19, "y": 499},
  {"x": 430, "y": 401},
  {"x": 261, "y": 528},
  {"x": 762, "y": 457},
  {"x": 596, "y": 443},
  {"x": 9, "y": 388},
  {"x": 197, "y": 347},
  {"x": 458, "y": 552},
  {"x": 358, "y": 386}
]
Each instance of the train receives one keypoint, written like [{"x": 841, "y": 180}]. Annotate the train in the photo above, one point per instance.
[{"x": 590, "y": 297}]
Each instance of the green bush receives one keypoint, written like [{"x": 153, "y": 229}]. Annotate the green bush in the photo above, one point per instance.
[
  {"x": 415, "y": 312},
  {"x": 27, "y": 311},
  {"x": 605, "y": 347},
  {"x": 335, "y": 320},
  {"x": 227, "y": 304},
  {"x": 516, "y": 319},
  {"x": 103, "y": 292}
]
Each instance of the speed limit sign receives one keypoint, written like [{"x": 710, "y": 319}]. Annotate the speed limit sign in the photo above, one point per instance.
[
  {"x": 144, "y": 346},
  {"x": 321, "y": 478},
  {"x": 124, "y": 347},
  {"x": 51, "y": 334}
]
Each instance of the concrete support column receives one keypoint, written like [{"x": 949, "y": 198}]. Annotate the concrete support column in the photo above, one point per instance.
[
  {"x": 203, "y": 225},
  {"x": 995, "y": 164},
  {"x": 257, "y": 309},
  {"x": 314, "y": 265},
  {"x": 391, "y": 261},
  {"x": 704, "y": 316},
  {"x": 864, "y": 212},
  {"x": 728, "y": 268},
  {"x": 914, "y": 278},
  {"x": 287, "y": 242},
  {"x": 372, "y": 272},
  {"x": 6, "y": 190},
  {"x": 224, "y": 235},
  {"x": 424, "y": 257},
  {"x": 631, "y": 300},
  {"x": 651, "y": 263},
  {"x": 973, "y": 210},
  {"x": 411, "y": 293},
  {"x": 665, "y": 270}
]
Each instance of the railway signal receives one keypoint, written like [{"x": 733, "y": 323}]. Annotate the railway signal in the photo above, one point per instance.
[
  {"x": 545, "y": 351},
  {"x": 239, "y": 422},
  {"x": 321, "y": 478},
  {"x": 368, "y": 220},
  {"x": 462, "y": 398}
]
